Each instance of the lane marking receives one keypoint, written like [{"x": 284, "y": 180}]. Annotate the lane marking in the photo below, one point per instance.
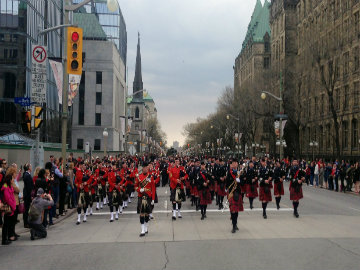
[
  {"x": 355, "y": 209},
  {"x": 194, "y": 211}
]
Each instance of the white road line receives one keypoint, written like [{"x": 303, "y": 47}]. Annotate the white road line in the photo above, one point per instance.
[
  {"x": 194, "y": 211},
  {"x": 354, "y": 209}
]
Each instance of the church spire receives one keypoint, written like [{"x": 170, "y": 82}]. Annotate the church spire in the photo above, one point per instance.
[{"x": 138, "y": 83}]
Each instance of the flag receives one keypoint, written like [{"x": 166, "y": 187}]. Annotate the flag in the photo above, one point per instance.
[{"x": 57, "y": 68}]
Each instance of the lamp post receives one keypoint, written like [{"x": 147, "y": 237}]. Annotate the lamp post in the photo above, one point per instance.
[
  {"x": 280, "y": 99},
  {"x": 313, "y": 144},
  {"x": 239, "y": 135},
  {"x": 105, "y": 134}
]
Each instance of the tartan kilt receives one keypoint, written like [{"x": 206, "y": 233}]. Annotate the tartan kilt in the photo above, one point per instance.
[
  {"x": 278, "y": 188},
  {"x": 187, "y": 184},
  {"x": 221, "y": 190},
  {"x": 205, "y": 198},
  {"x": 144, "y": 209},
  {"x": 130, "y": 188},
  {"x": 236, "y": 206},
  {"x": 195, "y": 191},
  {"x": 265, "y": 196},
  {"x": 252, "y": 193},
  {"x": 216, "y": 187},
  {"x": 212, "y": 187},
  {"x": 295, "y": 196},
  {"x": 243, "y": 188}
]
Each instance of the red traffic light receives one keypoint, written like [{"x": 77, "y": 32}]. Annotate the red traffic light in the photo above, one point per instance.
[{"x": 75, "y": 36}]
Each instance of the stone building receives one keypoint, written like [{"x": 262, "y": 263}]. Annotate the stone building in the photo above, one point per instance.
[
  {"x": 328, "y": 43},
  {"x": 251, "y": 65},
  {"x": 102, "y": 92}
]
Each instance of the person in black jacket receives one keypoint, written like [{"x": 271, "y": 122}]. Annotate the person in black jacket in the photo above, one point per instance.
[{"x": 28, "y": 187}]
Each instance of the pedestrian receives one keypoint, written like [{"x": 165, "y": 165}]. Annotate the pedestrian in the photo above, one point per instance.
[
  {"x": 316, "y": 174},
  {"x": 27, "y": 191},
  {"x": 8, "y": 198},
  {"x": 312, "y": 173},
  {"x": 356, "y": 178},
  {"x": 41, "y": 202},
  {"x": 321, "y": 175}
]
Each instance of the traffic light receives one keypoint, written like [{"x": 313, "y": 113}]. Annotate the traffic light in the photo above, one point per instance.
[
  {"x": 37, "y": 117},
  {"x": 74, "y": 50},
  {"x": 26, "y": 121}
]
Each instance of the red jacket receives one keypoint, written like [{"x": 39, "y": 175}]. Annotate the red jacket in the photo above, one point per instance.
[
  {"x": 149, "y": 187},
  {"x": 174, "y": 175}
]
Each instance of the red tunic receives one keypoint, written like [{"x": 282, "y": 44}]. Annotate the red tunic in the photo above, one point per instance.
[{"x": 149, "y": 188}]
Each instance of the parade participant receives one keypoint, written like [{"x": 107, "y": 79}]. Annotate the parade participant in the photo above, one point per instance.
[
  {"x": 265, "y": 177},
  {"x": 155, "y": 174},
  {"x": 234, "y": 193},
  {"x": 297, "y": 177},
  {"x": 164, "y": 172},
  {"x": 116, "y": 190},
  {"x": 252, "y": 184},
  {"x": 131, "y": 183},
  {"x": 125, "y": 174},
  {"x": 145, "y": 186},
  {"x": 99, "y": 174},
  {"x": 194, "y": 185},
  {"x": 204, "y": 182},
  {"x": 243, "y": 180},
  {"x": 279, "y": 176},
  {"x": 177, "y": 177},
  {"x": 82, "y": 186},
  {"x": 212, "y": 173},
  {"x": 221, "y": 184}
]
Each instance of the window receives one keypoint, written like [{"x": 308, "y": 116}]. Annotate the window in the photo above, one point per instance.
[
  {"x": 97, "y": 144},
  {"x": 98, "y": 98},
  {"x": 80, "y": 144},
  {"x": 97, "y": 119},
  {"x": 356, "y": 94},
  {"x": 136, "y": 127},
  {"x": 356, "y": 59},
  {"x": 98, "y": 77},
  {"x": 346, "y": 63},
  {"x": 354, "y": 134},
  {"x": 345, "y": 134},
  {"x": 328, "y": 136},
  {"x": 346, "y": 97},
  {"x": 137, "y": 113},
  {"x": 266, "y": 62},
  {"x": 267, "y": 46}
]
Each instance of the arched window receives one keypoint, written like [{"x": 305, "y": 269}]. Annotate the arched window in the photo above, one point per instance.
[{"x": 137, "y": 113}]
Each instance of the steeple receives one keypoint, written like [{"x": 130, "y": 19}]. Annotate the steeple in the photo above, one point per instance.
[{"x": 138, "y": 83}]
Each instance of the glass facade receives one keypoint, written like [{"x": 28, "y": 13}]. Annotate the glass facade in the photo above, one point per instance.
[
  {"x": 20, "y": 22},
  {"x": 113, "y": 24}
]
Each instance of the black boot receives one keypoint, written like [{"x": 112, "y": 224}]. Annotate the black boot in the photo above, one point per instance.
[
  {"x": 264, "y": 210},
  {"x": 251, "y": 200},
  {"x": 234, "y": 229},
  {"x": 296, "y": 204},
  {"x": 278, "y": 202}
]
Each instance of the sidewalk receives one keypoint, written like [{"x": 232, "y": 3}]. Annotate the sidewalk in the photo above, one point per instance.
[{"x": 19, "y": 228}]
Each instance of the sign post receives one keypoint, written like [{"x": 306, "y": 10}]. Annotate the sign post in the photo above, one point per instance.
[{"x": 39, "y": 76}]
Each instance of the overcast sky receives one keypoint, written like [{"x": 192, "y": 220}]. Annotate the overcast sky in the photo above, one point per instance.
[{"x": 188, "y": 49}]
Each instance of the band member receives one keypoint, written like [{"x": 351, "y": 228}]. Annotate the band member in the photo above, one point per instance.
[
  {"x": 265, "y": 177},
  {"x": 204, "y": 183},
  {"x": 279, "y": 176},
  {"x": 177, "y": 177},
  {"x": 125, "y": 175},
  {"x": 82, "y": 186},
  {"x": 155, "y": 174},
  {"x": 116, "y": 190},
  {"x": 252, "y": 184},
  {"x": 234, "y": 194},
  {"x": 145, "y": 186},
  {"x": 297, "y": 177},
  {"x": 100, "y": 188},
  {"x": 221, "y": 184}
]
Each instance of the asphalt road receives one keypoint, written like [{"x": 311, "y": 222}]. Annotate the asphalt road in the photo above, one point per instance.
[{"x": 326, "y": 236}]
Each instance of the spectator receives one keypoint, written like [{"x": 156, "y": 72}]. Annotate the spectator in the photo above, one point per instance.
[
  {"x": 321, "y": 174},
  {"x": 356, "y": 178},
  {"x": 316, "y": 174},
  {"x": 7, "y": 197},
  {"x": 327, "y": 173},
  {"x": 41, "y": 202},
  {"x": 308, "y": 173},
  {"x": 312, "y": 169},
  {"x": 72, "y": 194},
  {"x": 56, "y": 175},
  {"x": 28, "y": 189},
  {"x": 36, "y": 173},
  {"x": 18, "y": 197},
  {"x": 62, "y": 193},
  {"x": 349, "y": 177}
]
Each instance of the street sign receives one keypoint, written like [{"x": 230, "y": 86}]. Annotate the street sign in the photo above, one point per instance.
[
  {"x": 132, "y": 150},
  {"x": 22, "y": 101},
  {"x": 38, "y": 74},
  {"x": 281, "y": 116}
]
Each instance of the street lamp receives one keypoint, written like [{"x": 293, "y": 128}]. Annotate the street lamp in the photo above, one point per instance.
[
  {"x": 280, "y": 99},
  {"x": 105, "y": 134},
  {"x": 313, "y": 144},
  {"x": 238, "y": 128}
]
